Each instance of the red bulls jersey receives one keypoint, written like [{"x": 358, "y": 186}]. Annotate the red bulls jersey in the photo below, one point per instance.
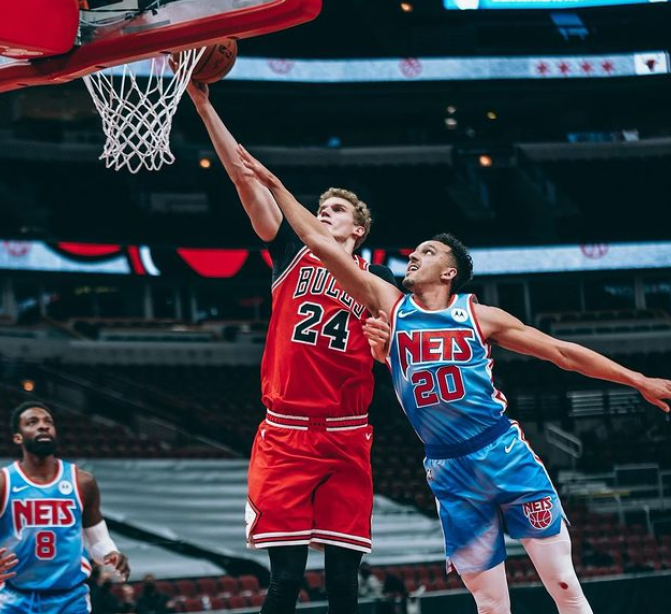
[{"x": 317, "y": 361}]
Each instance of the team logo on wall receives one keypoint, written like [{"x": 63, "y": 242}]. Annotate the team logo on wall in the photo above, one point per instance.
[
  {"x": 539, "y": 512},
  {"x": 65, "y": 488},
  {"x": 459, "y": 315}
]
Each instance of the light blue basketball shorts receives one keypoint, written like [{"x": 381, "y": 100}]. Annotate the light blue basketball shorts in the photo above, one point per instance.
[
  {"x": 75, "y": 601},
  {"x": 502, "y": 484}
]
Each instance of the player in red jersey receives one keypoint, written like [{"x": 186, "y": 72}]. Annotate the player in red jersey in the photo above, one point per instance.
[{"x": 310, "y": 478}]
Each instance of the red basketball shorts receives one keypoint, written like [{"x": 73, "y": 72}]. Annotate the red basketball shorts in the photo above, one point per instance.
[{"x": 310, "y": 485}]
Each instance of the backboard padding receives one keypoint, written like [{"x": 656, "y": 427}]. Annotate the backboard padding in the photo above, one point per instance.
[{"x": 173, "y": 26}]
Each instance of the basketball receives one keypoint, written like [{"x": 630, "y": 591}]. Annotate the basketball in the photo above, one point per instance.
[{"x": 216, "y": 62}]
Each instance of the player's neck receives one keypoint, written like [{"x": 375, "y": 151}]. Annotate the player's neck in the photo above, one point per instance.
[
  {"x": 433, "y": 298},
  {"x": 39, "y": 468},
  {"x": 348, "y": 244}
]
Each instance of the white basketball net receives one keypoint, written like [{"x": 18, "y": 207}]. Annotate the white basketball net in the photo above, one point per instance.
[{"x": 137, "y": 111}]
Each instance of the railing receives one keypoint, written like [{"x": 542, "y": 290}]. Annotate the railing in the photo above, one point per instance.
[
  {"x": 641, "y": 488},
  {"x": 583, "y": 403},
  {"x": 150, "y": 410},
  {"x": 566, "y": 442}
]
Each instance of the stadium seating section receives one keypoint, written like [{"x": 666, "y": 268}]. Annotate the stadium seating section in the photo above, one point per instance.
[{"x": 223, "y": 403}]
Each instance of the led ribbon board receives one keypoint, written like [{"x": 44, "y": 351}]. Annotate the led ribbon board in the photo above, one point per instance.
[
  {"x": 469, "y": 5},
  {"x": 144, "y": 260}
]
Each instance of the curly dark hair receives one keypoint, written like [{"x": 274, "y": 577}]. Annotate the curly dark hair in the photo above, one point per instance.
[
  {"x": 462, "y": 259},
  {"x": 15, "y": 419}
]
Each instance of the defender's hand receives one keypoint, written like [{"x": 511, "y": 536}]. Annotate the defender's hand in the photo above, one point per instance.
[
  {"x": 377, "y": 332},
  {"x": 262, "y": 174}
]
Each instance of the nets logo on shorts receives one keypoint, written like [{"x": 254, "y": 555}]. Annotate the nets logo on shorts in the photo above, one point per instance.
[{"x": 539, "y": 512}]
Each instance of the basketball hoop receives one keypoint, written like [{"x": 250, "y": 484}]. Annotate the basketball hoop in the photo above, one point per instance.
[{"x": 137, "y": 112}]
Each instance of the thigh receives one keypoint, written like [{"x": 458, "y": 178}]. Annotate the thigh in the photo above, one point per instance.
[
  {"x": 284, "y": 472},
  {"x": 77, "y": 601},
  {"x": 343, "y": 503},
  {"x": 470, "y": 520},
  {"x": 473, "y": 534},
  {"x": 489, "y": 589},
  {"x": 12, "y": 602},
  {"x": 529, "y": 501}
]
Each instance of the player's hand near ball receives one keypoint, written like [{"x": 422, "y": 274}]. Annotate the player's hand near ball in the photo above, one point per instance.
[
  {"x": 376, "y": 331},
  {"x": 198, "y": 92}
]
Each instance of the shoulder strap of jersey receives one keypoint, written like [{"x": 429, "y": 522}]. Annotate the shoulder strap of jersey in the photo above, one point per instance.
[
  {"x": 74, "y": 472},
  {"x": 283, "y": 248},
  {"x": 393, "y": 318},
  {"x": 4, "y": 495},
  {"x": 462, "y": 301}
]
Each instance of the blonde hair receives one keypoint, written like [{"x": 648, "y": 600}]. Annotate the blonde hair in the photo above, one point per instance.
[{"x": 362, "y": 214}]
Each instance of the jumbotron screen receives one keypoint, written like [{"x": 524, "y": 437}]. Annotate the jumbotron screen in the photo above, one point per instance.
[{"x": 466, "y": 5}]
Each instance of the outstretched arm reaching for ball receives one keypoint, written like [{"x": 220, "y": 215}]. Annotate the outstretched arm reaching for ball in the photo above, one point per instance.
[
  {"x": 363, "y": 286},
  {"x": 256, "y": 199}
]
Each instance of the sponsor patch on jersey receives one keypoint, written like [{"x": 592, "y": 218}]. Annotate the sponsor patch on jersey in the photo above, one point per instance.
[
  {"x": 65, "y": 487},
  {"x": 459, "y": 315},
  {"x": 539, "y": 513}
]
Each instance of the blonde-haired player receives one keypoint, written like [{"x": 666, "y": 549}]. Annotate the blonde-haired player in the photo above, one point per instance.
[{"x": 310, "y": 478}]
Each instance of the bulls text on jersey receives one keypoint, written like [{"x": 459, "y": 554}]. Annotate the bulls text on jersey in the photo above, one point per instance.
[{"x": 318, "y": 281}]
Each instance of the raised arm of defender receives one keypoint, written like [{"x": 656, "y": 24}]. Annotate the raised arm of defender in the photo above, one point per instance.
[
  {"x": 256, "y": 199},
  {"x": 364, "y": 287},
  {"x": 512, "y": 334}
]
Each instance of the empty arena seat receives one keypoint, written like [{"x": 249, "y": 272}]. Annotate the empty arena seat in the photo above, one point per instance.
[
  {"x": 228, "y": 585},
  {"x": 237, "y": 602},
  {"x": 207, "y": 586},
  {"x": 165, "y": 587},
  {"x": 437, "y": 584},
  {"x": 314, "y": 580},
  {"x": 303, "y": 597},
  {"x": 186, "y": 588},
  {"x": 193, "y": 605},
  {"x": 248, "y": 584}
]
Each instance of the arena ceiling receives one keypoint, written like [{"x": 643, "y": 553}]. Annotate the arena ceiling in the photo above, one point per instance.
[{"x": 380, "y": 28}]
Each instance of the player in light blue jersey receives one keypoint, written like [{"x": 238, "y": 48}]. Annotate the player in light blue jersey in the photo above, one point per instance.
[
  {"x": 478, "y": 464},
  {"x": 50, "y": 511}
]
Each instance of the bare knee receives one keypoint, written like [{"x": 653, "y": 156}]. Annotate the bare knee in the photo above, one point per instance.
[
  {"x": 490, "y": 590},
  {"x": 491, "y": 603}
]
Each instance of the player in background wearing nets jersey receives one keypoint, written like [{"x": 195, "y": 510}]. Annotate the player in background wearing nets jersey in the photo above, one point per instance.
[
  {"x": 310, "y": 477},
  {"x": 50, "y": 509},
  {"x": 478, "y": 464}
]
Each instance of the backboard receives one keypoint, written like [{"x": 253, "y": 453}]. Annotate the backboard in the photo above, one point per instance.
[{"x": 113, "y": 33}]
